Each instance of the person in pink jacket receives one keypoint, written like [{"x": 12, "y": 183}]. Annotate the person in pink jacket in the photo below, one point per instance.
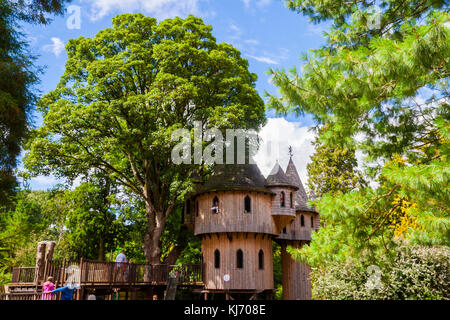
[{"x": 47, "y": 289}]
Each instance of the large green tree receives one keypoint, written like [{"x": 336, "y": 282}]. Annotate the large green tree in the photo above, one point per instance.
[
  {"x": 94, "y": 222},
  {"x": 122, "y": 95},
  {"x": 381, "y": 84},
  {"x": 332, "y": 169}
]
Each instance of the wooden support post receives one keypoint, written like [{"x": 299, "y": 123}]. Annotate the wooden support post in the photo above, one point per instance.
[
  {"x": 45, "y": 271},
  {"x": 50, "y": 250},
  {"x": 40, "y": 262},
  {"x": 80, "y": 292},
  {"x": 81, "y": 271},
  {"x": 63, "y": 271}
]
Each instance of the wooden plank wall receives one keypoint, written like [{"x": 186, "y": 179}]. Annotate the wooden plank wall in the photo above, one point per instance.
[
  {"x": 295, "y": 231},
  {"x": 276, "y": 203},
  {"x": 250, "y": 277},
  {"x": 231, "y": 217}
]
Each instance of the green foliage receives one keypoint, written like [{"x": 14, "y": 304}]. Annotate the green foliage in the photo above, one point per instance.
[
  {"x": 277, "y": 271},
  {"x": 16, "y": 97},
  {"x": 381, "y": 88},
  {"x": 125, "y": 91},
  {"x": 333, "y": 169},
  {"x": 93, "y": 228},
  {"x": 17, "y": 79},
  {"x": 38, "y": 11},
  {"x": 85, "y": 222},
  {"x": 415, "y": 273},
  {"x": 178, "y": 237}
]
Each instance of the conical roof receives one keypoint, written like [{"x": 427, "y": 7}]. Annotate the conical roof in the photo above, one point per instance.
[
  {"x": 235, "y": 177},
  {"x": 277, "y": 178},
  {"x": 301, "y": 199}
]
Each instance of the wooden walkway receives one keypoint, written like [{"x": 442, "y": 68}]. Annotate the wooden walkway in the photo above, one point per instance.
[{"x": 100, "y": 275}]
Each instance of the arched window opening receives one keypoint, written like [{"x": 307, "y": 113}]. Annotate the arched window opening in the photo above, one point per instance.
[
  {"x": 188, "y": 207},
  {"x": 312, "y": 222},
  {"x": 302, "y": 220},
  {"x": 284, "y": 230},
  {"x": 261, "y": 259},
  {"x": 291, "y": 200},
  {"x": 247, "y": 204},
  {"x": 215, "y": 205},
  {"x": 239, "y": 259},
  {"x": 217, "y": 259},
  {"x": 282, "y": 200}
]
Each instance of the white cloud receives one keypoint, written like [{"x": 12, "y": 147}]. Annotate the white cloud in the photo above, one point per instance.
[
  {"x": 263, "y": 3},
  {"x": 263, "y": 59},
  {"x": 235, "y": 28},
  {"x": 235, "y": 33},
  {"x": 277, "y": 135},
  {"x": 246, "y": 3},
  {"x": 251, "y": 41},
  {"x": 160, "y": 9},
  {"x": 259, "y": 3},
  {"x": 56, "y": 47}
]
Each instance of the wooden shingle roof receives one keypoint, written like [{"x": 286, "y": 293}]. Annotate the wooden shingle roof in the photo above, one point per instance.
[
  {"x": 301, "y": 199},
  {"x": 230, "y": 177},
  {"x": 277, "y": 178}
]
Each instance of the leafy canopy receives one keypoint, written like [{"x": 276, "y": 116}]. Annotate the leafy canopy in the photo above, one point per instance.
[
  {"x": 126, "y": 90},
  {"x": 380, "y": 85},
  {"x": 18, "y": 76}
]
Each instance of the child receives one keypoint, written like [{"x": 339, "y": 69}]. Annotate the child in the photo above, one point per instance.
[{"x": 47, "y": 289}]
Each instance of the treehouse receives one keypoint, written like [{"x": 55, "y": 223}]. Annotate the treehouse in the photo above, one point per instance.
[{"x": 237, "y": 214}]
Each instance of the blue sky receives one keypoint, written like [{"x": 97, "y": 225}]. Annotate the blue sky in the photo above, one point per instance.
[{"x": 265, "y": 31}]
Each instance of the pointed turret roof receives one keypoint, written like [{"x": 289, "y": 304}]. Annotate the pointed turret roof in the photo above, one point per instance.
[
  {"x": 277, "y": 178},
  {"x": 301, "y": 199},
  {"x": 235, "y": 177}
]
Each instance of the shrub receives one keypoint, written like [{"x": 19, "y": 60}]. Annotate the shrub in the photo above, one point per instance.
[{"x": 415, "y": 273}]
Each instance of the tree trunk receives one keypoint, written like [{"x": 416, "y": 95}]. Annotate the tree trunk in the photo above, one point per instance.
[
  {"x": 152, "y": 248},
  {"x": 173, "y": 255},
  {"x": 101, "y": 250},
  {"x": 155, "y": 228}
]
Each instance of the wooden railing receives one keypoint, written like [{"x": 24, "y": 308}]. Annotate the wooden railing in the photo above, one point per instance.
[
  {"x": 89, "y": 272},
  {"x": 21, "y": 296}
]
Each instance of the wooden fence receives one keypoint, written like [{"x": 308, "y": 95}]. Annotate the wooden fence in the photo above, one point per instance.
[
  {"x": 23, "y": 275},
  {"x": 87, "y": 272},
  {"x": 22, "y": 296}
]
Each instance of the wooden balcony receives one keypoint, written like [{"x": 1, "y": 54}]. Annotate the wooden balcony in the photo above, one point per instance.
[{"x": 96, "y": 273}]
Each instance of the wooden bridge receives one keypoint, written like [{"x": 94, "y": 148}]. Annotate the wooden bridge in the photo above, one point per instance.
[{"x": 106, "y": 277}]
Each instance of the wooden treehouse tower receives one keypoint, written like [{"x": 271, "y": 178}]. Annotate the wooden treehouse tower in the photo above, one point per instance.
[
  {"x": 238, "y": 213},
  {"x": 296, "y": 280}
]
